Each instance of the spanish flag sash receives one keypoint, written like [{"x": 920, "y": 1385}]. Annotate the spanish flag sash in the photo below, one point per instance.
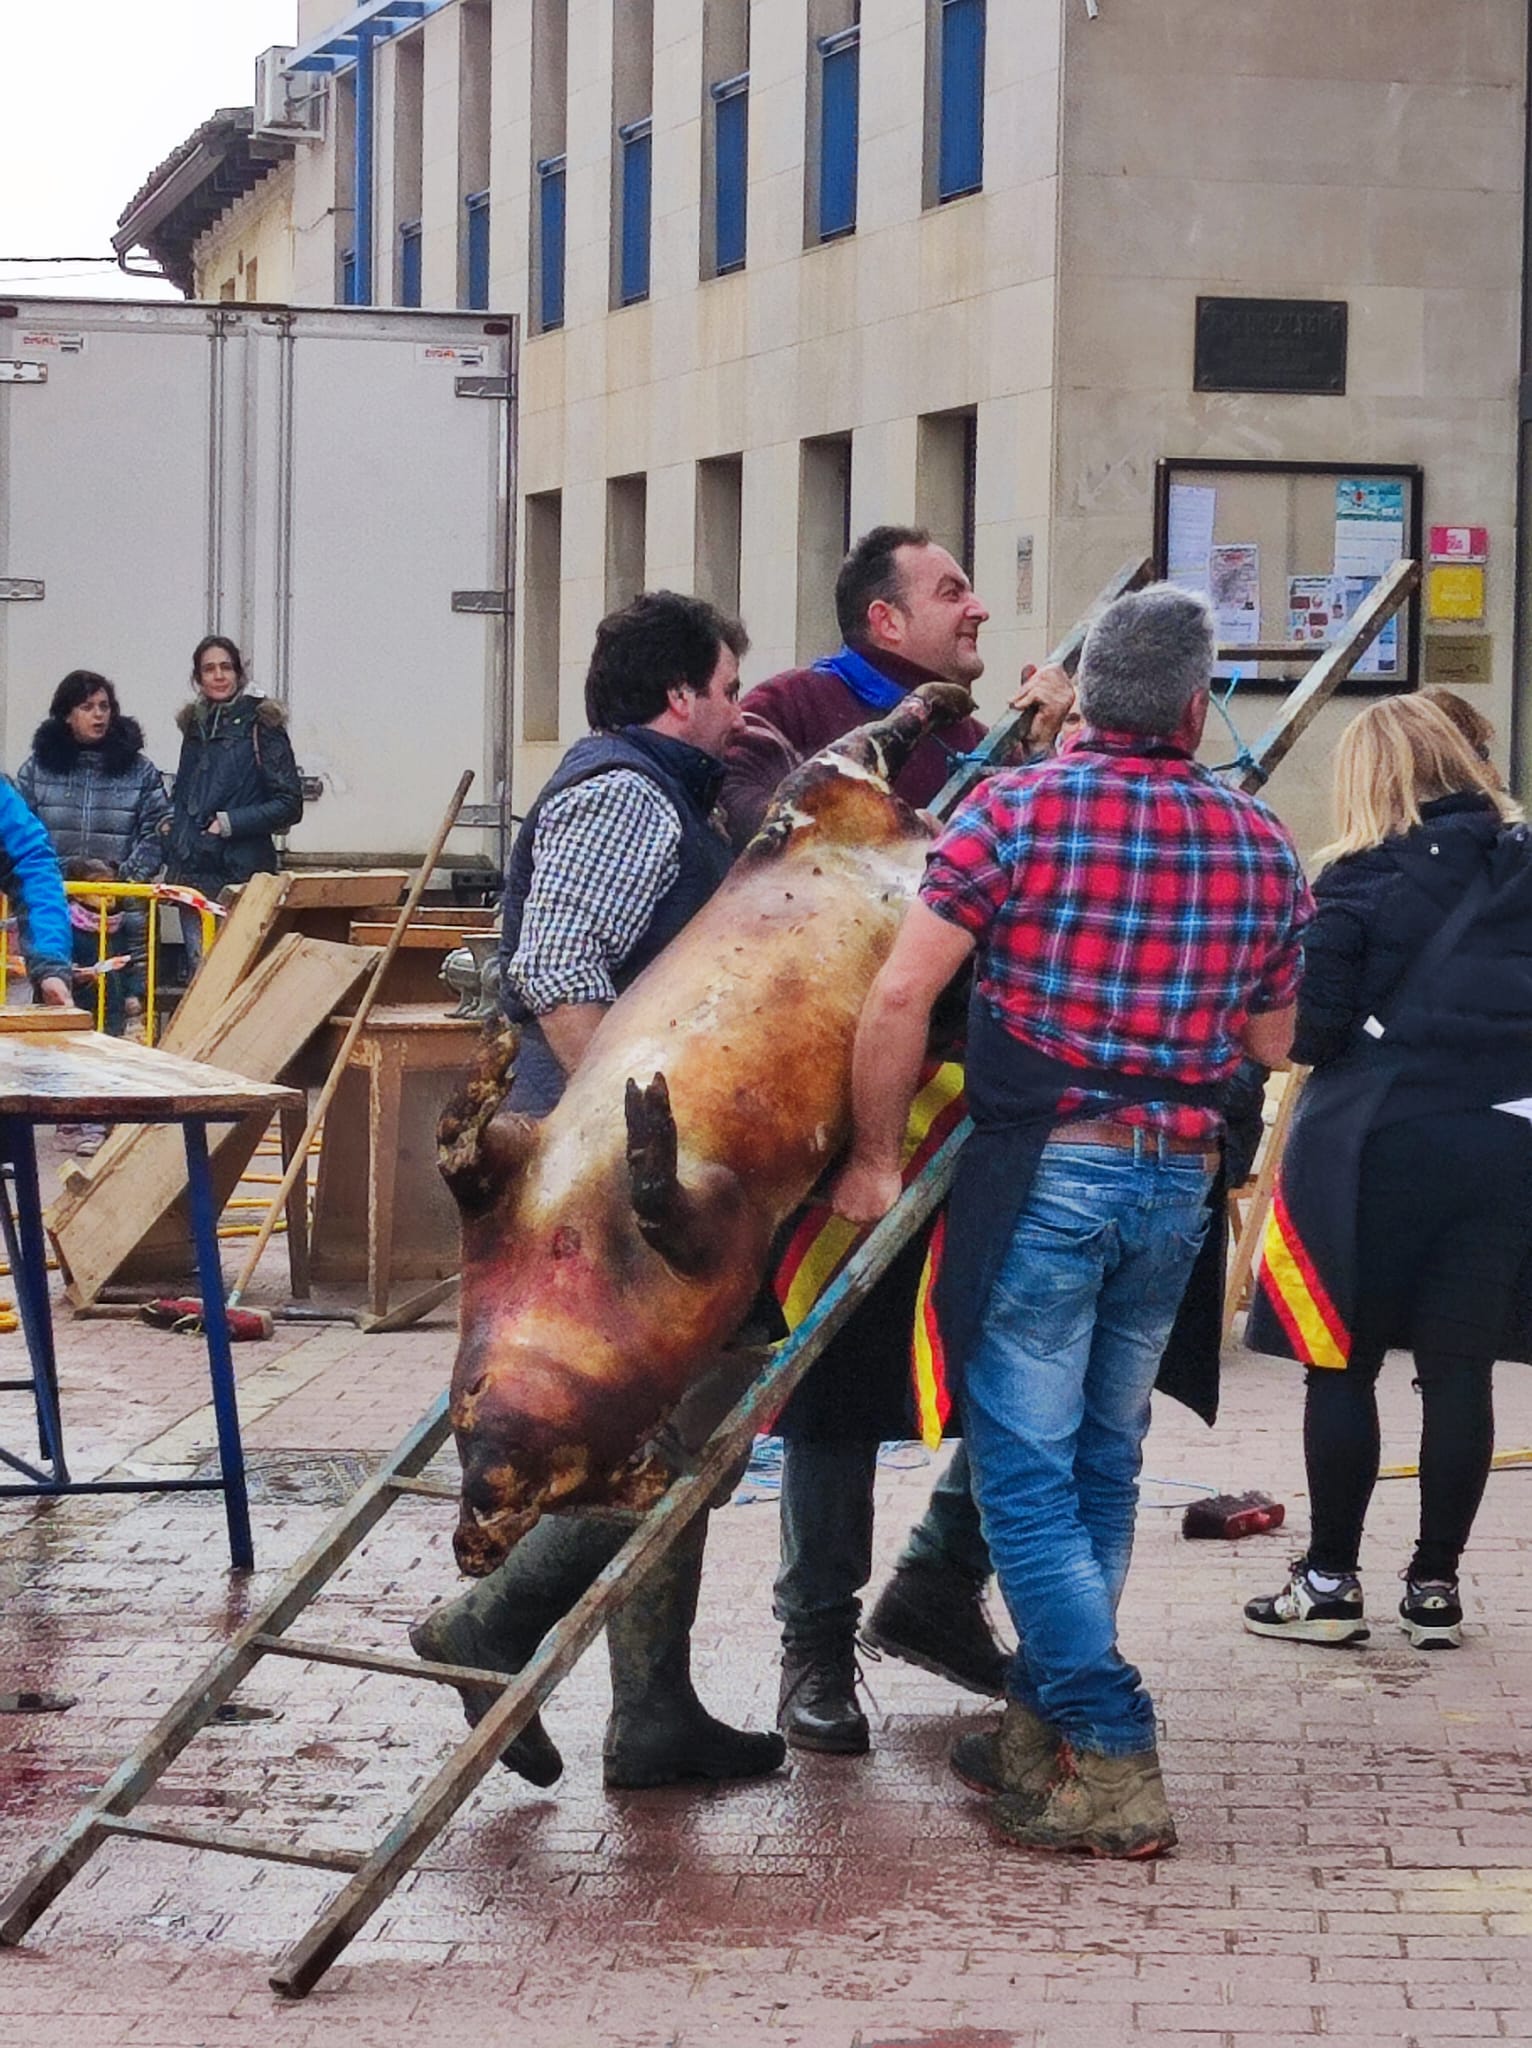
[{"x": 822, "y": 1242}]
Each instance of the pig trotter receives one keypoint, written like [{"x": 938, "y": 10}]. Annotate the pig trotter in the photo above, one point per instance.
[
  {"x": 478, "y": 1150},
  {"x": 692, "y": 1229},
  {"x": 886, "y": 746}
]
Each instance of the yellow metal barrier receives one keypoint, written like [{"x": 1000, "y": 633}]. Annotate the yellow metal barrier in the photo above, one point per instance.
[{"x": 106, "y": 895}]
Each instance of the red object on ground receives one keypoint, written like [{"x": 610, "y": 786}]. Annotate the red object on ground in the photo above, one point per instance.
[
  {"x": 184, "y": 1312},
  {"x": 1232, "y": 1515}
]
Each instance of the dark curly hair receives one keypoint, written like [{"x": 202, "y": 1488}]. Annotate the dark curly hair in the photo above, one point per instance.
[
  {"x": 660, "y": 642},
  {"x": 870, "y": 572},
  {"x": 77, "y": 687}
]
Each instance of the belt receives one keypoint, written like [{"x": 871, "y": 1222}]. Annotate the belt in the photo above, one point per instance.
[{"x": 1125, "y": 1137}]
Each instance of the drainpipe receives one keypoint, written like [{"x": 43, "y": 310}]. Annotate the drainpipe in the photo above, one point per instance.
[
  {"x": 1521, "y": 640},
  {"x": 362, "y": 196}
]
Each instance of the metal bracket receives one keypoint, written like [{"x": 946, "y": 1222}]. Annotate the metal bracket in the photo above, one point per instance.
[
  {"x": 14, "y": 371},
  {"x": 21, "y": 589},
  {"x": 482, "y": 817},
  {"x": 484, "y": 603},
  {"x": 482, "y": 387}
]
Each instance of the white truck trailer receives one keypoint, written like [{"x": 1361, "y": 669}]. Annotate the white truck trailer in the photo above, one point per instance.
[{"x": 332, "y": 489}]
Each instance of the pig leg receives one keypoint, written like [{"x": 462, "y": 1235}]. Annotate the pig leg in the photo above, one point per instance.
[
  {"x": 478, "y": 1150},
  {"x": 884, "y": 747},
  {"x": 697, "y": 1230}
]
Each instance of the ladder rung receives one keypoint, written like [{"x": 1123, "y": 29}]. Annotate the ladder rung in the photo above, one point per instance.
[
  {"x": 231, "y": 1845},
  {"x": 427, "y": 1489},
  {"x": 378, "y": 1660}
]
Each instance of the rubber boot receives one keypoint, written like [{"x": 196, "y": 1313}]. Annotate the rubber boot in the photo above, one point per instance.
[
  {"x": 1021, "y": 1758},
  {"x": 1109, "y": 1805},
  {"x": 501, "y": 1619},
  {"x": 660, "y": 1732},
  {"x": 936, "y": 1620}
]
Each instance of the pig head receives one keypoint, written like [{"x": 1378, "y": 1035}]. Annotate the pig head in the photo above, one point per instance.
[{"x": 611, "y": 1249}]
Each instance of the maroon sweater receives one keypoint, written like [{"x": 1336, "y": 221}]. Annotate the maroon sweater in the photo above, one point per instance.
[{"x": 792, "y": 715}]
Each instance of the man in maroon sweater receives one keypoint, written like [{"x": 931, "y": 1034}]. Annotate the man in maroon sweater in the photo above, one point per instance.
[{"x": 908, "y": 615}]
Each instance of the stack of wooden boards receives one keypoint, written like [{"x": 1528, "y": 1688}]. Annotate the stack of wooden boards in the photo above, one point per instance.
[{"x": 282, "y": 965}]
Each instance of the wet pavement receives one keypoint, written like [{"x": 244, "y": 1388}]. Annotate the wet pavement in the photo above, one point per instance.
[{"x": 1356, "y": 1841}]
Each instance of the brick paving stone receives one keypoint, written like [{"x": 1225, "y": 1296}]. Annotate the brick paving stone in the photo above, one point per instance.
[{"x": 1356, "y": 1859}]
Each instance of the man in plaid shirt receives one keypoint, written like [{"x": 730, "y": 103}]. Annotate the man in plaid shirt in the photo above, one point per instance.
[{"x": 1136, "y": 925}]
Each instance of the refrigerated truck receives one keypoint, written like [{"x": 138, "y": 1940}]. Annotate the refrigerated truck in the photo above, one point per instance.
[{"x": 331, "y": 488}]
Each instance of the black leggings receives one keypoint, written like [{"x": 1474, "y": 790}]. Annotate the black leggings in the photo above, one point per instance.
[{"x": 1444, "y": 1220}]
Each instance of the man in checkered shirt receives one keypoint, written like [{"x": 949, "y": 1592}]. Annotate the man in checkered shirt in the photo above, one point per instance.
[
  {"x": 619, "y": 851},
  {"x": 1136, "y": 925}
]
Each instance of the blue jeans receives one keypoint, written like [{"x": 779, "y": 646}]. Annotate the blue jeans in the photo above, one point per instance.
[
  {"x": 1055, "y": 1407},
  {"x": 827, "y": 1535}
]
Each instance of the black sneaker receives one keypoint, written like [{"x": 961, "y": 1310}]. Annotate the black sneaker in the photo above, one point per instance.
[
  {"x": 1431, "y": 1614},
  {"x": 1308, "y": 1613}
]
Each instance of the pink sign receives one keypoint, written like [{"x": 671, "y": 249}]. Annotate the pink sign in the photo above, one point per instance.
[{"x": 1460, "y": 543}]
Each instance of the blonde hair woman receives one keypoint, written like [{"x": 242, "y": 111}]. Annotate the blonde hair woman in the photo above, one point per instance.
[{"x": 1404, "y": 1207}]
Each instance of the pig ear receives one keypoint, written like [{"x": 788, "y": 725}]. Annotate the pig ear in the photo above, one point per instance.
[
  {"x": 479, "y": 1149},
  {"x": 694, "y": 1229}
]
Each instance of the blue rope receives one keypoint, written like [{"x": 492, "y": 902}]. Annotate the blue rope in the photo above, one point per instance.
[{"x": 1244, "y": 762}]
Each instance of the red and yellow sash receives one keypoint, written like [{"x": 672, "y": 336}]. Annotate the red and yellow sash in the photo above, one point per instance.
[
  {"x": 822, "y": 1243},
  {"x": 1292, "y": 1286}
]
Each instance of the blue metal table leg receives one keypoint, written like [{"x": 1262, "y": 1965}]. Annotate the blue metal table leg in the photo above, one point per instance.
[
  {"x": 231, "y": 1456},
  {"x": 29, "y": 1270}
]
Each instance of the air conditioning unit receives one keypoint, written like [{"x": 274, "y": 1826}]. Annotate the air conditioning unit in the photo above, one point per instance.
[{"x": 285, "y": 106}]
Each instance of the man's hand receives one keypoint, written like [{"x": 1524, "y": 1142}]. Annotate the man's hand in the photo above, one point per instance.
[
  {"x": 1050, "y": 695},
  {"x": 56, "y": 992},
  {"x": 863, "y": 1193}
]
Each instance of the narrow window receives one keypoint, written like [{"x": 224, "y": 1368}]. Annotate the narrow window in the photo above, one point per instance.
[
  {"x": 946, "y": 468},
  {"x": 540, "y": 647},
  {"x": 627, "y": 510},
  {"x": 839, "y": 99},
  {"x": 476, "y": 289},
  {"x": 347, "y": 278},
  {"x": 637, "y": 144},
  {"x": 824, "y": 534},
  {"x": 409, "y": 263},
  {"x": 550, "y": 242},
  {"x": 550, "y": 97},
  {"x": 632, "y": 148},
  {"x": 731, "y": 149},
  {"x": 343, "y": 107},
  {"x": 720, "y": 500},
  {"x": 960, "y": 112}
]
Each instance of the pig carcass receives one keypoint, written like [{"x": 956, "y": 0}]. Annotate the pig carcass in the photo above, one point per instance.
[{"x": 611, "y": 1249}]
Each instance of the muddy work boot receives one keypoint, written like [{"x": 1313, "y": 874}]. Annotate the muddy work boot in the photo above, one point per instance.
[
  {"x": 660, "y": 1733},
  {"x": 936, "y": 1620},
  {"x": 1108, "y": 1805},
  {"x": 1021, "y": 1758},
  {"x": 817, "y": 1706},
  {"x": 501, "y": 1619}
]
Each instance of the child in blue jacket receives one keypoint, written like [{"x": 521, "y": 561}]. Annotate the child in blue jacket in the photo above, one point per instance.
[{"x": 29, "y": 876}]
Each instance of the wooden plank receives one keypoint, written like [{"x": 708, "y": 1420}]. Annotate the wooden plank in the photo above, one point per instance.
[
  {"x": 242, "y": 939},
  {"x": 257, "y": 1032},
  {"x": 438, "y": 938},
  {"x": 262, "y": 1849},
  {"x": 45, "y": 1017},
  {"x": 86, "y": 1076},
  {"x": 344, "y": 888}
]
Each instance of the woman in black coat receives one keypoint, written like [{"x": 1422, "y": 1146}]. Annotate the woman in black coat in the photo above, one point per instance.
[
  {"x": 1404, "y": 1205},
  {"x": 237, "y": 783}
]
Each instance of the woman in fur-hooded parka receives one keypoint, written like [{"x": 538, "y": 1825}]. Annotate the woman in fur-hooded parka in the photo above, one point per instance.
[
  {"x": 237, "y": 783},
  {"x": 89, "y": 781}
]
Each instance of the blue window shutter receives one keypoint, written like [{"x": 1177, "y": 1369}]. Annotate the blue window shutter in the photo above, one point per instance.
[
  {"x": 960, "y": 163},
  {"x": 348, "y": 277},
  {"x": 477, "y": 208},
  {"x": 840, "y": 93},
  {"x": 550, "y": 189},
  {"x": 409, "y": 263},
  {"x": 637, "y": 165},
  {"x": 731, "y": 153}
]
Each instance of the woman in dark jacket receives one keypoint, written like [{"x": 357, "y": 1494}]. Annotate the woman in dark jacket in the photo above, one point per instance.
[
  {"x": 1404, "y": 1205},
  {"x": 89, "y": 780},
  {"x": 237, "y": 783}
]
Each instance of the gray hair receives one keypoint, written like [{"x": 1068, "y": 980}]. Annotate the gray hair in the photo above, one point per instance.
[{"x": 1145, "y": 659}]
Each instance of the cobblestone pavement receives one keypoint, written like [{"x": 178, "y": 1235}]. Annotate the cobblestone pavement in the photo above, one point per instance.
[{"x": 1356, "y": 1838}]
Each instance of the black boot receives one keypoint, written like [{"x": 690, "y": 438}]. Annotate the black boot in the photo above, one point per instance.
[
  {"x": 936, "y": 1619},
  {"x": 501, "y": 1619},
  {"x": 817, "y": 1707},
  {"x": 660, "y": 1732}
]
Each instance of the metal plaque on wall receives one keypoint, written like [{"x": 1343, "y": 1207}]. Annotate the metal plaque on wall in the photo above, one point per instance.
[{"x": 1271, "y": 345}]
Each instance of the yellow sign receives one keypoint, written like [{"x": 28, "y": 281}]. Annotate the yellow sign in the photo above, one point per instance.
[{"x": 1455, "y": 591}]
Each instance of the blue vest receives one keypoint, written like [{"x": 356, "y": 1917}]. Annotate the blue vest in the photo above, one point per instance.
[{"x": 690, "y": 780}]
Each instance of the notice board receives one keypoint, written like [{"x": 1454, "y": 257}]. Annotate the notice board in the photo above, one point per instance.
[{"x": 1285, "y": 551}]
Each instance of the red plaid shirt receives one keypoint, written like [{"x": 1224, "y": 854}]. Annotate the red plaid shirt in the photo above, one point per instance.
[{"x": 1131, "y": 912}]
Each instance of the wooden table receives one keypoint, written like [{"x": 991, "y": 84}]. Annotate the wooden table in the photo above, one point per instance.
[
  {"x": 381, "y": 1210},
  {"x": 52, "y": 1077}
]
